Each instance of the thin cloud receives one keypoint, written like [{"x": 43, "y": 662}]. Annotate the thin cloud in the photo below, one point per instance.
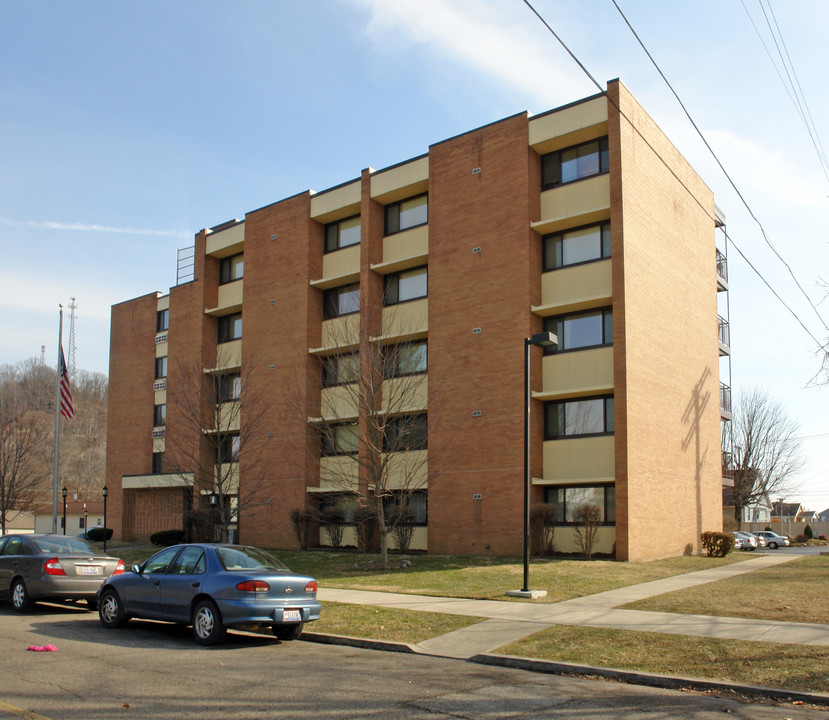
[{"x": 89, "y": 227}]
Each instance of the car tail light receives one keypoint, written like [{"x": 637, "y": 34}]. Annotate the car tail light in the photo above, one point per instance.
[
  {"x": 119, "y": 568},
  {"x": 253, "y": 586},
  {"x": 53, "y": 567},
  {"x": 311, "y": 586}
]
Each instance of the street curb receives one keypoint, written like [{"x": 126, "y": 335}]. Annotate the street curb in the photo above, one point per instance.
[
  {"x": 632, "y": 677},
  {"x": 551, "y": 667}
]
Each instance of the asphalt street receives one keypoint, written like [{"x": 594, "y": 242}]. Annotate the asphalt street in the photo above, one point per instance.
[{"x": 153, "y": 670}]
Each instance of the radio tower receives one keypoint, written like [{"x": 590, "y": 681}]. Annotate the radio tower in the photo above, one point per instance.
[{"x": 71, "y": 360}]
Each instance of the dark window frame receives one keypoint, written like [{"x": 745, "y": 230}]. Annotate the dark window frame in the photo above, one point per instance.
[
  {"x": 391, "y": 359},
  {"x": 331, "y": 298},
  {"x": 561, "y": 511},
  {"x": 420, "y": 519},
  {"x": 227, "y": 269},
  {"x": 228, "y": 446},
  {"x": 332, "y": 235},
  {"x": 391, "y": 286},
  {"x": 160, "y": 415},
  {"x": 227, "y": 326},
  {"x": 162, "y": 320},
  {"x": 548, "y": 435},
  {"x": 391, "y": 224},
  {"x": 226, "y": 386},
  {"x": 328, "y": 440},
  {"x": 392, "y": 442},
  {"x": 549, "y": 326},
  {"x": 329, "y": 367},
  {"x": 158, "y": 463},
  {"x": 548, "y": 264},
  {"x": 161, "y": 367},
  {"x": 603, "y": 163}
]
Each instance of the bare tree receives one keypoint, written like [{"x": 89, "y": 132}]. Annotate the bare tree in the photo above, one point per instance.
[
  {"x": 218, "y": 433},
  {"x": 588, "y": 519},
  {"x": 373, "y": 428},
  {"x": 767, "y": 453}
]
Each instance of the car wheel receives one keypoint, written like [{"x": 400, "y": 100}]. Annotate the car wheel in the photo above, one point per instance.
[
  {"x": 111, "y": 610},
  {"x": 208, "y": 628},
  {"x": 92, "y": 605},
  {"x": 773, "y": 545},
  {"x": 287, "y": 632},
  {"x": 21, "y": 602}
]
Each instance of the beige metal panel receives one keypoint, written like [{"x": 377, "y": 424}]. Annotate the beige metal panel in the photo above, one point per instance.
[
  {"x": 407, "y": 319},
  {"x": 228, "y": 416},
  {"x": 579, "y": 373},
  {"x": 338, "y": 472},
  {"x": 574, "y": 204},
  {"x": 400, "y": 181},
  {"x": 349, "y": 537},
  {"x": 161, "y": 349},
  {"x": 579, "y": 460},
  {"x": 339, "y": 402},
  {"x": 340, "y": 202},
  {"x": 407, "y": 470},
  {"x": 159, "y": 445},
  {"x": 345, "y": 262},
  {"x": 229, "y": 355},
  {"x": 405, "y": 394},
  {"x": 569, "y": 126},
  {"x": 163, "y": 302},
  {"x": 576, "y": 288},
  {"x": 226, "y": 242},
  {"x": 230, "y": 294},
  {"x": 170, "y": 480},
  {"x": 565, "y": 540},
  {"x": 230, "y": 478},
  {"x": 404, "y": 250},
  {"x": 341, "y": 332},
  {"x": 160, "y": 397},
  {"x": 419, "y": 541}
]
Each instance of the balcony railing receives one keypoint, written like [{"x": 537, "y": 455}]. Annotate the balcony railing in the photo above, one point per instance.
[
  {"x": 725, "y": 336},
  {"x": 722, "y": 271},
  {"x": 725, "y": 399}
]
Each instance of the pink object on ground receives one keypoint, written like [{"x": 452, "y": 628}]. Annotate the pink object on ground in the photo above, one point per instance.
[{"x": 42, "y": 648}]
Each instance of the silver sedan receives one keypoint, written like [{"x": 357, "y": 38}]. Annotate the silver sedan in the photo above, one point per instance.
[{"x": 55, "y": 568}]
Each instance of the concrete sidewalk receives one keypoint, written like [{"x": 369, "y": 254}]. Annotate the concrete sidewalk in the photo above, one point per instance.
[{"x": 507, "y": 621}]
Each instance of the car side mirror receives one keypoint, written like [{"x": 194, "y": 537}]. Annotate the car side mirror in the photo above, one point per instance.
[{"x": 136, "y": 569}]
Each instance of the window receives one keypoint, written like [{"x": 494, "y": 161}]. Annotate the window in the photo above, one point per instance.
[
  {"x": 575, "y": 247},
  {"x": 578, "y": 418},
  {"x": 162, "y": 320},
  {"x": 340, "y": 301},
  {"x": 406, "y": 432},
  {"x": 345, "y": 503},
  {"x": 189, "y": 562},
  {"x": 340, "y": 439},
  {"x": 82, "y": 523},
  {"x": 406, "y": 285},
  {"x": 569, "y": 499},
  {"x": 574, "y": 163},
  {"x": 158, "y": 563},
  {"x": 228, "y": 387},
  {"x": 405, "y": 359},
  {"x": 230, "y": 327},
  {"x": 414, "y": 501},
  {"x": 340, "y": 370},
  {"x": 231, "y": 268},
  {"x": 407, "y": 214},
  {"x": 159, "y": 415},
  {"x": 342, "y": 233},
  {"x": 158, "y": 463},
  {"x": 581, "y": 330},
  {"x": 161, "y": 367},
  {"x": 227, "y": 449}
]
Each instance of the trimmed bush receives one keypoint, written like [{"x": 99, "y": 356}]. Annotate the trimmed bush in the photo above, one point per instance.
[
  {"x": 807, "y": 531},
  {"x": 717, "y": 544},
  {"x": 98, "y": 534},
  {"x": 801, "y": 539},
  {"x": 542, "y": 528},
  {"x": 165, "y": 538},
  {"x": 334, "y": 519},
  {"x": 303, "y": 520}
]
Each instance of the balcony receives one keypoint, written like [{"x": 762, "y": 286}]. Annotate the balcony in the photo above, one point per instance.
[
  {"x": 725, "y": 402},
  {"x": 722, "y": 272},
  {"x": 727, "y": 469},
  {"x": 724, "y": 336}
]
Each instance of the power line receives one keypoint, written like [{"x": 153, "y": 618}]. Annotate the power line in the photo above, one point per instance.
[{"x": 725, "y": 172}]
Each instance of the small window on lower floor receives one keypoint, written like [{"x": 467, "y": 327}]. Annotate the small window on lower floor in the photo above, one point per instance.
[
  {"x": 567, "y": 501},
  {"x": 409, "y": 507},
  {"x": 158, "y": 463}
]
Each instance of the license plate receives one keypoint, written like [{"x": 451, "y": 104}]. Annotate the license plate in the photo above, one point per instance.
[
  {"x": 91, "y": 569},
  {"x": 291, "y": 616}
]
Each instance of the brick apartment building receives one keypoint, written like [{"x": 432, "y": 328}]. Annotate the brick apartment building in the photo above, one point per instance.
[{"x": 584, "y": 221}]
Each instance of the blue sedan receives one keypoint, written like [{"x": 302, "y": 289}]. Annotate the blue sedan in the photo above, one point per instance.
[{"x": 212, "y": 587}]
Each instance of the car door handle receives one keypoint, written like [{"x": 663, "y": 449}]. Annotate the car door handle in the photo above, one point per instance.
[
  {"x": 157, "y": 583},
  {"x": 196, "y": 584}
]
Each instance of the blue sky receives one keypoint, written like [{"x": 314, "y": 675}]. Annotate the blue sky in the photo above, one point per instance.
[{"x": 127, "y": 127}]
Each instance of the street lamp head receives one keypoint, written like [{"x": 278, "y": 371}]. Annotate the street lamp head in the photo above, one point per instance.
[
  {"x": 213, "y": 498},
  {"x": 105, "y": 491},
  {"x": 543, "y": 339},
  {"x": 63, "y": 492}
]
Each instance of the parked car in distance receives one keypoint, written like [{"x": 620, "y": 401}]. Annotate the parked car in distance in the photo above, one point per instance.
[
  {"x": 773, "y": 540},
  {"x": 55, "y": 568},
  {"x": 761, "y": 541},
  {"x": 738, "y": 543},
  {"x": 212, "y": 587},
  {"x": 749, "y": 542}
]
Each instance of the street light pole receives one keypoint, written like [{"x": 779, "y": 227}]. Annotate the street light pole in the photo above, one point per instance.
[
  {"x": 105, "y": 492},
  {"x": 544, "y": 339},
  {"x": 63, "y": 492},
  {"x": 213, "y": 499}
]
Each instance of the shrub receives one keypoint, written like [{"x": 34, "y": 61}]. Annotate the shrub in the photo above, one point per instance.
[
  {"x": 303, "y": 521},
  {"x": 165, "y": 538},
  {"x": 807, "y": 531},
  {"x": 589, "y": 519},
  {"x": 366, "y": 528},
  {"x": 401, "y": 520},
  {"x": 801, "y": 539},
  {"x": 334, "y": 519},
  {"x": 98, "y": 534},
  {"x": 717, "y": 544},
  {"x": 542, "y": 528},
  {"x": 822, "y": 537}
]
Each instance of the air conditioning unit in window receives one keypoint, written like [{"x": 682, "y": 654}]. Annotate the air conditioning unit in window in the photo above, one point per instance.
[
  {"x": 161, "y": 338},
  {"x": 160, "y": 385},
  {"x": 157, "y": 434}
]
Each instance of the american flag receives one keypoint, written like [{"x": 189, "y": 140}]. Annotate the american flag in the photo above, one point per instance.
[{"x": 67, "y": 409}]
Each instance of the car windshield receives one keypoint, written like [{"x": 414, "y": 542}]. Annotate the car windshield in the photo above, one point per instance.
[
  {"x": 64, "y": 546},
  {"x": 248, "y": 558}
]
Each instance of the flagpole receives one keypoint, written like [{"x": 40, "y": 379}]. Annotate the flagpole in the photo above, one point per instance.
[{"x": 57, "y": 428}]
